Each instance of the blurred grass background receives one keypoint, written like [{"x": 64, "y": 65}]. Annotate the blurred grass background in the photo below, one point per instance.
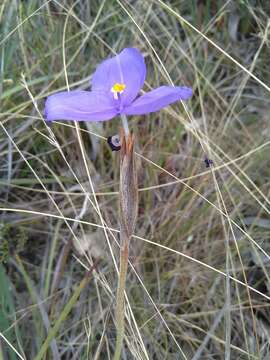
[{"x": 198, "y": 282}]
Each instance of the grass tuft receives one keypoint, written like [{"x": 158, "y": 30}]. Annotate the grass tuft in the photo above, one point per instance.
[{"x": 198, "y": 279}]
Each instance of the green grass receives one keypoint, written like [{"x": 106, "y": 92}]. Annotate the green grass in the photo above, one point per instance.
[{"x": 198, "y": 278}]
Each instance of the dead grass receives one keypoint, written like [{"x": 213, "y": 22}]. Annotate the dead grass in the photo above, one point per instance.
[{"x": 198, "y": 281}]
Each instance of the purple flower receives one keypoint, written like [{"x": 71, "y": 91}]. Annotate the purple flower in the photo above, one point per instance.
[{"x": 115, "y": 86}]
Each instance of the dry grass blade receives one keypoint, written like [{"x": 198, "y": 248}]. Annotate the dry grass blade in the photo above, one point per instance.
[{"x": 197, "y": 284}]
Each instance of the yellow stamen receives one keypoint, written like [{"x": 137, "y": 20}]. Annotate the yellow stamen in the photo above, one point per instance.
[{"x": 117, "y": 89}]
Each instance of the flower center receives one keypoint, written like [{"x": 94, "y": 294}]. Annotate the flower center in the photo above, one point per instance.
[{"x": 117, "y": 89}]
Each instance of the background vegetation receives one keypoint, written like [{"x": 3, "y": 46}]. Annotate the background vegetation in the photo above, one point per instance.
[{"x": 198, "y": 282}]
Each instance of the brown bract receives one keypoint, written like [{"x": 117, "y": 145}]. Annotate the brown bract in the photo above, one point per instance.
[{"x": 128, "y": 188}]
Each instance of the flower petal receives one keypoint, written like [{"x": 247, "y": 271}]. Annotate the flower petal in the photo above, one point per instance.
[
  {"x": 157, "y": 99},
  {"x": 127, "y": 68},
  {"x": 79, "y": 106}
]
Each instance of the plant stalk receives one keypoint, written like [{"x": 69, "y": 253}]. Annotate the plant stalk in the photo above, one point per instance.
[
  {"x": 125, "y": 124},
  {"x": 128, "y": 201},
  {"x": 120, "y": 301}
]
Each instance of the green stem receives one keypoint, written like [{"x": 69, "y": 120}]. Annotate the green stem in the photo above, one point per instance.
[
  {"x": 125, "y": 124},
  {"x": 120, "y": 300}
]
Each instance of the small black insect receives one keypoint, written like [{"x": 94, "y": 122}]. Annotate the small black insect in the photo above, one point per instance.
[
  {"x": 114, "y": 142},
  {"x": 208, "y": 162}
]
